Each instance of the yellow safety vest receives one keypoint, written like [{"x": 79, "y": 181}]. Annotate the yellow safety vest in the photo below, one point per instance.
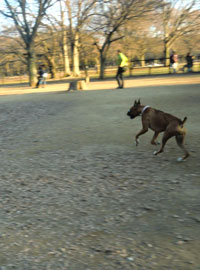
[{"x": 122, "y": 60}]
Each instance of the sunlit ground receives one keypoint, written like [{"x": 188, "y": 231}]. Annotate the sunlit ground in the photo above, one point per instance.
[{"x": 109, "y": 83}]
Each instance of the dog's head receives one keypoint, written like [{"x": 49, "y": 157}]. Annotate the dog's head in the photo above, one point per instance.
[{"x": 135, "y": 110}]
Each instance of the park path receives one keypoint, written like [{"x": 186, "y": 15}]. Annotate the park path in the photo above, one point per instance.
[{"x": 52, "y": 86}]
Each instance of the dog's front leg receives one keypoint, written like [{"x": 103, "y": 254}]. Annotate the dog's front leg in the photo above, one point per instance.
[{"x": 144, "y": 130}]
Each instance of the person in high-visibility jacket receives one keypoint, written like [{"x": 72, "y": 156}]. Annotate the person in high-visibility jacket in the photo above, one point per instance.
[{"x": 122, "y": 62}]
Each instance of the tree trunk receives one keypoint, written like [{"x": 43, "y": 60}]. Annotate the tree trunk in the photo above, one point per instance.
[
  {"x": 142, "y": 60},
  {"x": 7, "y": 69},
  {"x": 67, "y": 70},
  {"x": 76, "y": 69},
  {"x": 167, "y": 53},
  {"x": 102, "y": 64},
  {"x": 32, "y": 70},
  {"x": 97, "y": 67},
  {"x": 52, "y": 66}
]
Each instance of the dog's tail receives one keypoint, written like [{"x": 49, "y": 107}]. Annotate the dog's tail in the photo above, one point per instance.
[{"x": 184, "y": 120}]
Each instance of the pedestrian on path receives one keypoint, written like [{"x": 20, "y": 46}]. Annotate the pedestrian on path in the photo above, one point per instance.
[
  {"x": 174, "y": 61},
  {"x": 42, "y": 75},
  {"x": 122, "y": 62},
  {"x": 189, "y": 61}
]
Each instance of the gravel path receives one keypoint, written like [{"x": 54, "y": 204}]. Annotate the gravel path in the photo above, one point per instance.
[{"x": 77, "y": 194}]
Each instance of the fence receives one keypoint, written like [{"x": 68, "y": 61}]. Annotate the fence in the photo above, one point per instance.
[{"x": 152, "y": 69}]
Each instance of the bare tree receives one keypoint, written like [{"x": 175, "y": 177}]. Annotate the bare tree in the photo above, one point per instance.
[
  {"x": 140, "y": 39},
  {"x": 47, "y": 48},
  {"x": 112, "y": 16},
  {"x": 53, "y": 41},
  {"x": 27, "y": 17},
  {"x": 176, "y": 19},
  {"x": 79, "y": 14},
  {"x": 12, "y": 49},
  {"x": 12, "y": 60},
  {"x": 67, "y": 70},
  {"x": 190, "y": 43}
]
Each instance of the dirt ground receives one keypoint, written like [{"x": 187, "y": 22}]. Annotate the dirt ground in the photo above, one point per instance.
[{"x": 77, "y": 194}]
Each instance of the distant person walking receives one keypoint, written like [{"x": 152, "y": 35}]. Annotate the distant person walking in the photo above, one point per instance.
[
  {"x": 42, "y": 75},
  {"x": 122, "y": 62},
  {"x": 189, "y": 61},
  {"x": 174, "y": 62}
]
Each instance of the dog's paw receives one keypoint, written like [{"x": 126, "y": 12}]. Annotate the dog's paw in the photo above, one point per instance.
[
  {"x": 155, "y": 153},
  {"x": 137, "y": 142},
  {"x": 155, "y": 143},
  {"x": 180, "y": 159}
]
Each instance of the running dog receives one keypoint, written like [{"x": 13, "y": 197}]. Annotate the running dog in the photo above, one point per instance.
[{"x": 159, "y": 121}]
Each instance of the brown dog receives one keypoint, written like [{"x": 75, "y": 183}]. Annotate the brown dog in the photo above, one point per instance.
[{"x": 159, "y": 121}]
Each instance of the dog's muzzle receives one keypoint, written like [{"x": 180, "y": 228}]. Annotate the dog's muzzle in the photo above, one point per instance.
[{"x": 129, "y": 114}]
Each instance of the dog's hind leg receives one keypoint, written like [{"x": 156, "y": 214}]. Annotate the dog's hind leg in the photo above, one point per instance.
[
  {"x": 153, "y": 140},
  {"x": 165, "y": 138},
  {"x": 180, "y": 141}
]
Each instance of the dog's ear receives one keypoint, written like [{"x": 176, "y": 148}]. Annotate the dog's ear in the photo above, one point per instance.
[{"x": 136, "y": 103}]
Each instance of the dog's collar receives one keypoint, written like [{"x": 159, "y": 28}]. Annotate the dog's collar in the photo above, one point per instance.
[{"x": 144, "y": 109}]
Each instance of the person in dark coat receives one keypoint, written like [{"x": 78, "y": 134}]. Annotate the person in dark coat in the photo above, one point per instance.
[
  {"x": 189, "y": 61},
  {"x": 40, "y": 76}
]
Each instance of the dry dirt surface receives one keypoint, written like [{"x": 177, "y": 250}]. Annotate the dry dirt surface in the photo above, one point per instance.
[{"x": 77, "y": 194}]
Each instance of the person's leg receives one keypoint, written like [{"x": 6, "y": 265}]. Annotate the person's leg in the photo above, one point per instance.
[
  {"x": 175, "y": 65},
  {"x": 42, "y": 81},
  {"x": 189, "y": 67},
  {"x": 118, "y": 77},
  {"x": 38, "y": 83},
  {"x": 121, "y": 79}
]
